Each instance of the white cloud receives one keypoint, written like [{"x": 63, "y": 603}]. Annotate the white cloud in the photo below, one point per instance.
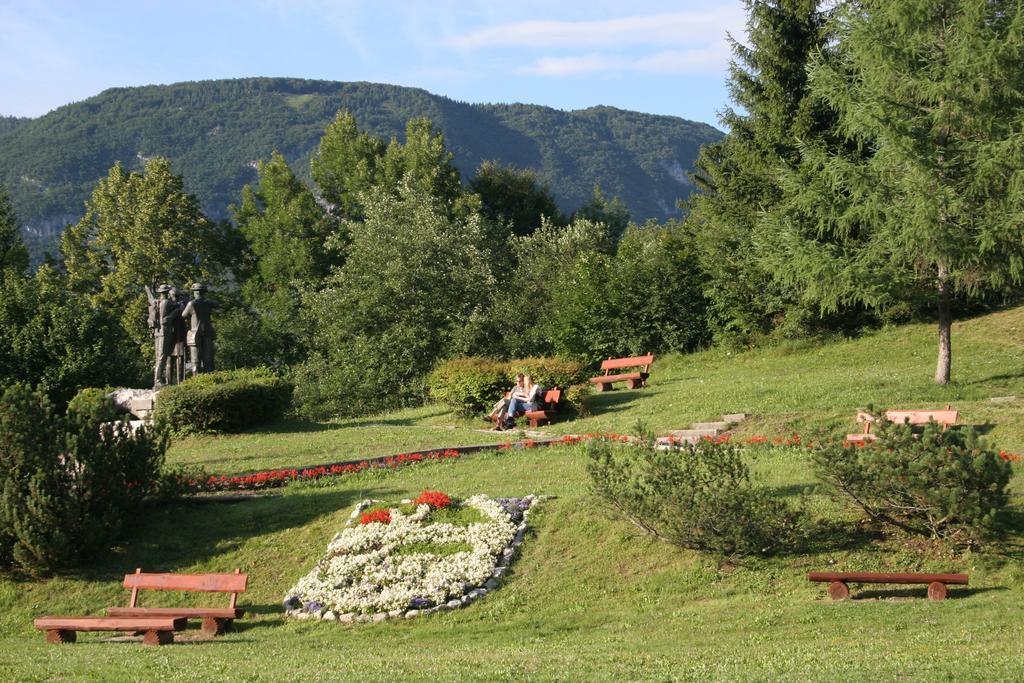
[
  {"x": 678, "y": 28},
  {"x": 710, "y": 59}
]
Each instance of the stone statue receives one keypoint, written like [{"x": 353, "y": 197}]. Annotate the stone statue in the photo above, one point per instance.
[
  {"x": 200, "y": 337},
  {"x": 177, "y": 359},
  {"x": 164, "y": 317}
]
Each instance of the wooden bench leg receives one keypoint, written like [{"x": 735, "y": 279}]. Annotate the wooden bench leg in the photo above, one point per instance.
[
  {"x": 603, "y": 386},
  {"x": 936, "y": 590},
  {"x": 838, "y": 590},
  {"x": 212, "y": 626},
  {"x": 158, "y": 637},
  {"x": 59, "y": 636},
  {"x": 634, "y": 383}
]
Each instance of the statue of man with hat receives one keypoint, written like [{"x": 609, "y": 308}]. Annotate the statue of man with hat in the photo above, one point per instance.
[
  {"x": 164, "y": 318},
  {"x": 198, "y": 315}
]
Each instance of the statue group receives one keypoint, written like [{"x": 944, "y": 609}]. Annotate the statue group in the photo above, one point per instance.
[{"x": 178, "y": 326}]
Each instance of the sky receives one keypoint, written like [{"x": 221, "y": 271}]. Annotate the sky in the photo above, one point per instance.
[{"x": 655, "y": 57}]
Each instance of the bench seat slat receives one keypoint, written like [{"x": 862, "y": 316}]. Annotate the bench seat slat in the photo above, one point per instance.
[
  {"x": 193, "y": 612},
  {"x": 52, "y": 623},
  {"x": 616, "y": 363},
  {"x": 618, "y": 378},
  {"x": 211, "y": 583},
  {"x": 882, "y": 577}
]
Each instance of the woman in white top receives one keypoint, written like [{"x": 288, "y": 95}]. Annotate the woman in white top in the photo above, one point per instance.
[{"x": 526, "y": 401}]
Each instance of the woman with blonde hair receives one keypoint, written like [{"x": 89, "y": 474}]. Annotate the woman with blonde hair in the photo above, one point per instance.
[{"x": 526, "y": 401}]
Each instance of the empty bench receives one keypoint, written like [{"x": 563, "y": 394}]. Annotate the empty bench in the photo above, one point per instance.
[
  {"x": 155, "y": 630},
  {"x": 913, "y": 418},
  {"x": 634, "y": 380},
  {"x": 548, "y": 411},
  {"x": 839, "y": 590},
  {"x": 216, "y": 620}
]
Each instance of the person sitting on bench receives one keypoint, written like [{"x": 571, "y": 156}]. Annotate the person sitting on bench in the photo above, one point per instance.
[
  {"x": 501, "y": 406},
  {"x": 528, "y": 399}
]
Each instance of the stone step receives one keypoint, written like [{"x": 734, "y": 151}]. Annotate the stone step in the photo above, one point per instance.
[
  {"x": 733, "y": 418},
  {"x": 718, "y": 426},
  {"x": 694, "y": 433}
]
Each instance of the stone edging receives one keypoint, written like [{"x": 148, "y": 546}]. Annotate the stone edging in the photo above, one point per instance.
[{"x": 470, "y": 596}]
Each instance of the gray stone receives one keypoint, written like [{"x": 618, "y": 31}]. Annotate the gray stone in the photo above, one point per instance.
[
  {"x": 394, "y": 614},
  {"x": 733, "y": 418},
  {"x": 478, "y": 593},
  {"x": 363, "y": 618},
  {"x": 329, "y": 616},
  {"x": 499, "y": 572},
  {"x": 412, "y": 613},
  {"x": 491, "y": 584},
  {"x": 452, "y": 604},
  {"x": 1003, "y": 399},
  {"x": 717, "y": 426},
  {"x": 303, "y": 616},
  {"x": 347, "y": 617},
  {"x": 466, "y": 599},
  {"x": 379, "y": 617},
  {"x": 482, "y": 591},
  {"x": 518, "y": 538}
]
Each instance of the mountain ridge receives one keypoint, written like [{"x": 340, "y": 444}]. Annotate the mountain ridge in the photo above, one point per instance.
[{"x": 215, "y": 131}]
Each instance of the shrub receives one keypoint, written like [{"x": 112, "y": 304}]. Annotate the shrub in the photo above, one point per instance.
[
  {"x": 92, "y": 399},
  {"x": 697, "y": 496},
  {"x": 551, "y": 372},
  {"x": 224, "y": 401},
  {"x": 946, "y": 485},
  {"x": 68, "y": 481},
  {"x": 579, "y": 398},
  {"x": 472, "y": 385},
  {"x": 469, "y": 385}
]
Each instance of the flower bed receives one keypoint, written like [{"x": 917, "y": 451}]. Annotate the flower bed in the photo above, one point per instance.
[{"x": 398, "y": 560}]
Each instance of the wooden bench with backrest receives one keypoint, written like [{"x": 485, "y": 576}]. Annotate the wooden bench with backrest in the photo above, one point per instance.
[
  {"x": 548, "y": 410},
  {"x": 839, "y": 590},
  {"x": 215, "y": 619},
  {"x": 155, "y": 630},
  {"x": 634, "y": 380},
  {"x": 914, "y": 418}
]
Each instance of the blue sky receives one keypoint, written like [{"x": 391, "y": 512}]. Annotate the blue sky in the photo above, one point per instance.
[{"x": 658, "y": 57}]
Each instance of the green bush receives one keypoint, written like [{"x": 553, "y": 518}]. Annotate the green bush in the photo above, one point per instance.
[
  {"x": 469, "y": 385},
  {"x": 224, "y": 401},
  {"x": 579, "y": 398},
  {"x": 92, "y": 399},
  {"x": 946, "y": 485},
  {"x": 67, "y": 482},
  {"x": 697, "y": 496},
  {"x": 472, "y": 385}
]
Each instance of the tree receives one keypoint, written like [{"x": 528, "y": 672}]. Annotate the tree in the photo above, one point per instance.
[
  {"x": 514, "y": 196},
  {"x": 423, "y": 163},
  {"x": 413, "y": 284},
  {"x": 13, "y": 254},
  {"x": 936, "y": 89},
  {"x": 599, "y": 209},
  {"x": 290, "y": 238},
  {"x": 56, "y": 338},
  {"x": 141, "y": 229},
  {"x": 738, "y": 177},
  {"x": 346, "y": 163}
]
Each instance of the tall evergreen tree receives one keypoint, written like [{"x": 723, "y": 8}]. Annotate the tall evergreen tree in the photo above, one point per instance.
[
  {"x": 290, "y": 238},
  {"x": 739, "y": 176},
  {"x": 936, "y": 89},
  {"x": 13, "y": 254}
]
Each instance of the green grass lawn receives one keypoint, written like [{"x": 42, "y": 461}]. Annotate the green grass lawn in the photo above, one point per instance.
[{"x": 589, "y": 598}]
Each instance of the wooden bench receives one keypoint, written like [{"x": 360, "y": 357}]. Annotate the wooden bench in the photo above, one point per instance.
[
  {"x": 216, "y": 620},
  {"x": 548, "y": 411},
  {"x": 839, "y": 590},
  {"x": 634, "y": 380},
  {"x": 155, "y": 630},
  {"x": 910, "y": 417}
]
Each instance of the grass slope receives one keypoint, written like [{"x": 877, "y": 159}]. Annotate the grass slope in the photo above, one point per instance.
[{"x": 588, "y": 598}]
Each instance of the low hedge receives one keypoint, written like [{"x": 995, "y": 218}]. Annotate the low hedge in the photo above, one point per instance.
[
  {"x": 225, "y": 401},
  {"x": 472, "y": 385}
]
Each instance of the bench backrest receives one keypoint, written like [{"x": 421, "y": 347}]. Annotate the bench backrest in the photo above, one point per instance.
[
  {"x": 553, "y": 396},
  {"x": 912, "y": 417},
  {"x": 619, "y": 363},
  {"x": 211, "y": 583}
]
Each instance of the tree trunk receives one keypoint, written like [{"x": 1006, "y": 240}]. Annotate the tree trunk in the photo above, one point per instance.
[{"x": 942, "y": 367}]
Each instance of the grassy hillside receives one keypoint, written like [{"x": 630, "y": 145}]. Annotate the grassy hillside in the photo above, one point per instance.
[
  {"x": 215, "y": 131},
  {"x": 588, "y": 598}
]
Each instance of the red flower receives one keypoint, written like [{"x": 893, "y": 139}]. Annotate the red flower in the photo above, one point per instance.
[
  {"x": 435, "y": 499},
  {"x": 382, "y": 516}
]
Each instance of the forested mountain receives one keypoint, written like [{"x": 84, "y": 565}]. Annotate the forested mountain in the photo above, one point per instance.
[{"x": 215, "y": 131}]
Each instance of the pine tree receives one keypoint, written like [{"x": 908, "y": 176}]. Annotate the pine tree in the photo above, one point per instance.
[
  {"x": 739, "y": 176},
  {"x": 293, "y": 243},
  {"x": 346, "y": 164},
  {"x": 13, "y": 254},
  {"x": 936, "y": 91}
]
